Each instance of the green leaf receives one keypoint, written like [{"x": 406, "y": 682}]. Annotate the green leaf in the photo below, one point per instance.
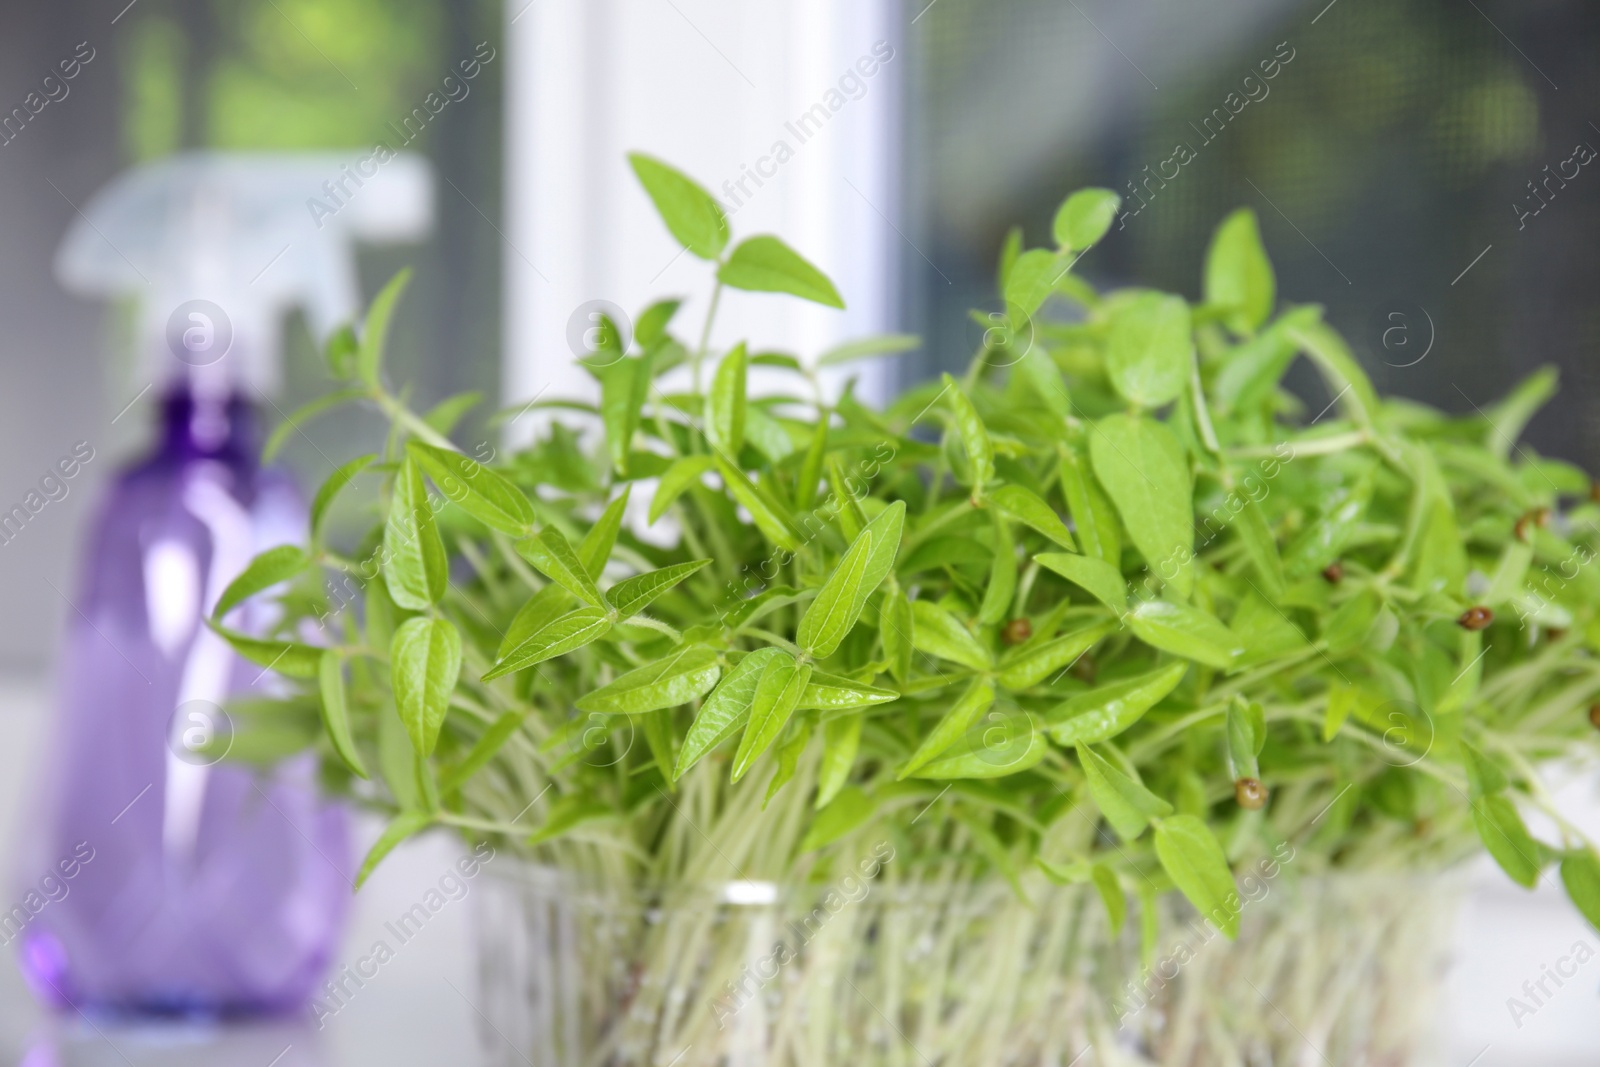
[
  {"x": 765, "y": 264},
  {"x": 289, "y": 658},
  {"x": 1084, "y": 218},
  {"x": 726, "y": 403},
  {"x": 492, "y": 741},
  {"x": 555, "y": 638},
  {"x": 841, "y": 742},
  {"x": 1092, "y": 513},
  {"x": 1484, "y": 776},
  {"x": 339, "y": 352},
  {"x": 1040, "y": 380},
  {"x": 1255, "y": 533},
  {"x": 1127, "y": 805},
  {"x": 766, "y": 435},
  {"x": 479, "y": 491},
  {"x": 1142, "y": 467},
  {"x": 541, "y": 609},
  {"x": 303, "y": 414},
  {"x": 400, "y": 827},
  {"x": 1194, "y": 861},
  {"x": 1110, "y": 890},
  {"x": 805, "y": 486},
  {"x": 1321, "y": 543},
  {"x": 651, "y": 326},
  {"x": 961, "y": 716},
  {"x": 974, "y": 437},
  {"x": 1002, "y": 584},
  {"x": 859, "y": 573},
  {"x": 1580, "y": 873},
  {"x": 375, "y": 331},
  {"x": 829, "y": 693},
  {"x": 567, "y": 814},
  {"x": 1031, "y": 664},
  {"x": 1185, "y": 631},
  {"x": 336, "y": 711},
  {"x": 675, "y": 679},
  {"x": 998, "y": 745},
  {"x": 1239, "y": 280},
  {"x": 770, "y": 515},
  {"x": 1030, "y": 281},
  {"x": 330, "y": 489},
  {"x": 1149, "y": 351},
  {"x": 683, "y": 473},
  {"x": 897, "y": 632},
  {"x": 849, "y": 811},
  {"x": 424, "y": 663},
  {"x": 552, "y": 554},
  {"x": 1510, "y": 416},
  {"x": 1096, "y": 577},
  {"x": 1246, "y": 731},
  {"x": 693, "y": 216},
  {"x": 939, "y": 633},
  {"x": 884, "y": 344},
  {"x": 777, "y": 693},
  {"x": 265, "y": 571},
  {"x": 658, "y": 736},
  {"x": 595, "y": 548},
  {"x": 414, "y": 564},
  {"x": 1105, "y": 711},
  {"x": 632, "y": 595},
  {"x": 444, "y": 415},
  {"x": 1506, "y": 837},
  {"x": 727, "y": 709},
  {"x": 624, "y": 387},
  {"x": 1024, "y": 505}
]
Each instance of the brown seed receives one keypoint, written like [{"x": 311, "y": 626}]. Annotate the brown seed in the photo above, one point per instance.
[
  {"x": 1476, "y": 617},
  {"x": 1594, "y": 492},
  {"x": 1594, "y": 716},
  {"x": 1083, "y": 668},
  {"x": 1016, "y": 631},
  {"x": 1250, "y": 793},
  {"x": 1333, "y": 573},
  {"x": 1528, "y": 520}
]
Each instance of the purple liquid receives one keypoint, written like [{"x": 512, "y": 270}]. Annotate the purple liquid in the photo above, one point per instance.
[{"x": 167, "y": 881}]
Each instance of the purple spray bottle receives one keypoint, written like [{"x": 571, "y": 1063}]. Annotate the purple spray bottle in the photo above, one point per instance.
[{"x": 171, "y": 876}]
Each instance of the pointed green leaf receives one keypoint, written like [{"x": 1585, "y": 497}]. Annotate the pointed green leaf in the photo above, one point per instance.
[
  {"x": 1239, "y": 280},
  {"x": 974, "y": 436},
  {"x": 492, "y": 741},
  {"x": 884, "y": 344},
  {"x": 1580, "y": 874},
  {"x": 860, "y": 571},
  {"x": 693, "y": 216},
  {"x": 939, "y": 633},
  {"x": 265, "y": 571},
  {"x": 375, "y": 331},
  {"x": 995, "y": 607},
  {"x": 632, "y": 595},
  {"x": 303, "y": 414},
  {"x": 552, "y": 554},
  {"x": 765, "y": 264},
  {"x": 567, "y": 814},
  {"x": 541, "y": 609},
  {"x": 1105, "y": 711},
  {"x": 770, "y": 515},
  {"x": 849, "y": 811},
  {"x": 1255, "y": 533},
  {"x": 725, "y": 415},
  {"x": 1031, "y": 664},
  {"x": 339, "y": 352},
  {"x": 1185, "y": 630},
  {"x": 479, "y": 491},
  {"x": 555, "y": 638},
  {"x": 336, "y": 711},
  {"x": 1110, "y": 890},
  {"x": 1190, "y": 855},
  {"x": 1025, "y": 506},
  {"x": 1092, "y": 513},
  {"x": 1504, "y": 834},
  {"x": 330, "y": 489},
  {"x": 414, "y": 565},
  {"x": 830, "y": 693},
  {"x": 1246, "y": 731},
  {"x": 1096, "y": 577},
  {"x": 895, "y": 630},
  {"x": 777, "y": 692},
  {"x": 677, "y": 678},
  {"x": 788, "y": 759},
  {"x": 841, "y": 742},
  {"x": 400, "y": 827},
  {"x": 1030, "y": 280},
  {"x": 424, "y": 663},
  {"x": 1084, "y": 217},
  {"x": 1127, "y": 805},
  {"x": 289, "y": 658},
  {"x": 961, "y": 716},
  {"x": 727, "y": 709},
  {"x": 1142, "y": 468},
  {"x": 595, "y": 549},
  {"x": 683, "y": 473},
  {"x": 998, "y": 745}
]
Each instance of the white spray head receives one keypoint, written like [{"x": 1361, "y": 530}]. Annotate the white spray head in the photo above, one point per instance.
[{"x": 218, "y": 246}]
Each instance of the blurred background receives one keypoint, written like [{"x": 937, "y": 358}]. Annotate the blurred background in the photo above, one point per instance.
[{"x": 1419, "y": 167}]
